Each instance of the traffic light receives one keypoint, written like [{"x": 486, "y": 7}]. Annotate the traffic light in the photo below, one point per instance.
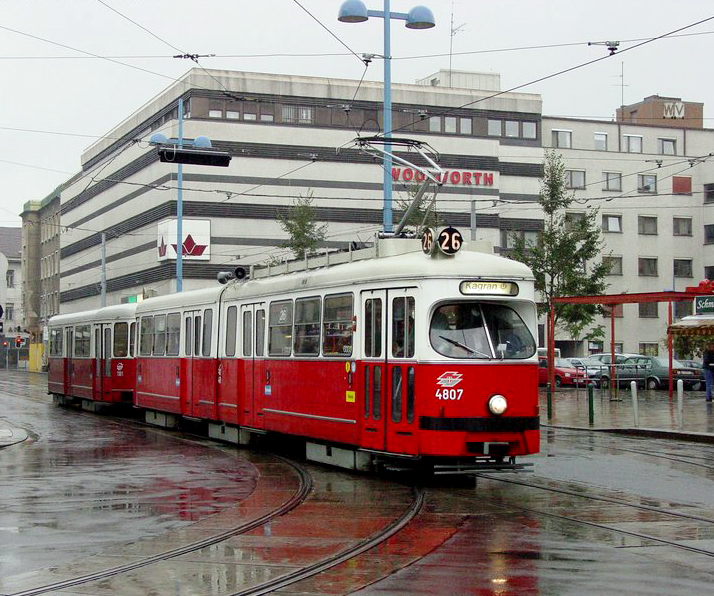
[
  {"x": 5, "y": 344},
  {"x": 18, "y": 341},
  {"x": 198, "y": 157},
  {"x": 2, "y": 327}
]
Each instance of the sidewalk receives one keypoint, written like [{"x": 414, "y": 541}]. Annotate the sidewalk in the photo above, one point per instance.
[{"x": 658, "y": 416}]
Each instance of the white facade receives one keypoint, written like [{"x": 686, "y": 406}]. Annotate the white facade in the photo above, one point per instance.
[{"x": 292, "y": 136}]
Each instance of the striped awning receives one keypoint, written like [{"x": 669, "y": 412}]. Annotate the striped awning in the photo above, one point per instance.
[{"x": 702, "y": 325}]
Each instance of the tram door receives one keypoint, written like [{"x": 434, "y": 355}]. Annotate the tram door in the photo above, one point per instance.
[
  {"x": 201, "y": 366},
  {"x": 102, "y": 362},
  {"x": 389, "y": 371},
  {"x": 252, "y": 342},
  {"x": 69, "y": 354}
]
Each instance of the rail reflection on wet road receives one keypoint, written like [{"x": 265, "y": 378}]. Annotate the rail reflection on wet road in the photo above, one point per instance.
[{"x": 600, "y": 514}]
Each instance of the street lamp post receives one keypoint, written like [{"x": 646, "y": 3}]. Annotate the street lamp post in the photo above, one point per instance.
[
  {"x": 179, "y": 151},
  {"x": 419, "y": 17}
]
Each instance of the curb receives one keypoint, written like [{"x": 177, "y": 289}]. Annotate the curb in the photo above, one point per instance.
[{"x": 654, "y": 433}]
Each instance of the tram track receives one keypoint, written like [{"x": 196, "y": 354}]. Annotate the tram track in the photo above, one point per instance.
[{"x": 600, "y": 526}]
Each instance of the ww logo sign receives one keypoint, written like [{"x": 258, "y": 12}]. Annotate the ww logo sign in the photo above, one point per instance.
[{"x": 673, "y": 109}]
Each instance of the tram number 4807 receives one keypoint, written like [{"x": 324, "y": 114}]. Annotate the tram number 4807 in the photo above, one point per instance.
[{"x": 449, "y": 394}]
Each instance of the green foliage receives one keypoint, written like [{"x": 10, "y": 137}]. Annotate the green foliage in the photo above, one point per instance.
[
  {"x": 424, "y": 216},
  {"x": 566, "y": 258},
  {"x": 305, "y": 236}
]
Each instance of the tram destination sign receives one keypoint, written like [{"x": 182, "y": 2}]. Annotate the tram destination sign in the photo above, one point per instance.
[
  {"x": 703, "y": 304},
  {"x": 492, "y": 288}
]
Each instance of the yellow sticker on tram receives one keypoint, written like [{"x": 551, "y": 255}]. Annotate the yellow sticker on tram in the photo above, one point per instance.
[
  {"x": 350, "y": 396},
  {"x": 348, "y": 366}
]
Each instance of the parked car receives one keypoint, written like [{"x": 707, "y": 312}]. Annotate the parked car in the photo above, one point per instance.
[
  {"x": 653, "y": 371},
  {"x": 601, "y": 377},
  {"x": 592, "y": 367},
  {"x": 565, "y": 374}
]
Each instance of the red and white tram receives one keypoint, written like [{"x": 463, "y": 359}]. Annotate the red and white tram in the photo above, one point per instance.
[
  {"x": 91, "y": 356},
  {"x": 422, "y": 359}
]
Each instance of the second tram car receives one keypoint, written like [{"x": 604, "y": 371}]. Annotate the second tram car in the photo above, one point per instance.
[{"x": 408, "y": 358}]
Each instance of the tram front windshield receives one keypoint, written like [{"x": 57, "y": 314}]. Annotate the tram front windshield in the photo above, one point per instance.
[{"x": 481, "y": 331}]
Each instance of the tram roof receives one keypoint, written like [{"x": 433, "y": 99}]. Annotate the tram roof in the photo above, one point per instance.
[{"x": 117, "y": 312}]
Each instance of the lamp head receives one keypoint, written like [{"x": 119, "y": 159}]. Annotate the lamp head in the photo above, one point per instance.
[
  {"x": 352, "y": 11},
  {"x": 420, "y": 17},
  {"x": 158, "y": 139},
  {"x": 202, "y": 142}
]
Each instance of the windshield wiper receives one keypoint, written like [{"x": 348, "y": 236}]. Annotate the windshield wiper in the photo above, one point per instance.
[{"x": 464, "y": 346}]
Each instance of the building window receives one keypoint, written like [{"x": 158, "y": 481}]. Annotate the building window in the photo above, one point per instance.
[
  {"x": 709, "y": 272},
  {"x": 667, "y": 146},
  {"x": 9, "y": 311},
  {"x": 682, "y": 226},
  {"x": 612, "y": 223},
  {"x": 601, "y": 141},
  {"x": 683, "y": 268},
  {"x": 10, "y": 278},
  {"x": 572, "y": 219},
  {"x": 647, "y": 266},
  {"x": 465, "y": 126},
  {"x": 494, "y": 128},
  {"x": 512, "y": 129},
  {"x": 648, "y": 310},
  {"x": 232, "y": 114},
  {"x": 574, "y": 179},
  {"x": 709, "y": 193},
  {"x": 215, "y": 113},
  {"x": 530, "y": 130},
  {"x": 562, "y": 139},
  {"x": 683, "y": 309},
  {"x": 632, "y": 143},
  {"x": 646, "y": 183},
  {"x": 253, "y": 117},
  {"x": 613, "y": 180},
  {"x": 647, "y": 225},
  {"x": 682, "y": 185},
  {"x": 508, "y": 238},
  {"x": 649, "y": 349},
  {"x": 296, "y": 115},
  {"x": 709, "y": 235},
  {"x": 609, "y": 311},
  {"x": 435, "y": 124},
  {"x": 267, "y": 118},
  {"x": 450, "y": 124},
  {"x": 615, "y": 264}
]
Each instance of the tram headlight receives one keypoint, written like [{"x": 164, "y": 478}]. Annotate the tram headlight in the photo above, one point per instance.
[{"x": 497, "y": 404}]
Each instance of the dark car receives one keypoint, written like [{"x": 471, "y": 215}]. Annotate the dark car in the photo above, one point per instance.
[
  {"x": 653, "y": 371},
  {"x": 565, "y": 373}
]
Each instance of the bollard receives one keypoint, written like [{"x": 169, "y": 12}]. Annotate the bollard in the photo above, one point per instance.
[
  {"x": 633, "y": 390},
  {"x": 549, "y": 400},
  {"x": 591, "y": 406},
  {"x": 680, "y": 402}
]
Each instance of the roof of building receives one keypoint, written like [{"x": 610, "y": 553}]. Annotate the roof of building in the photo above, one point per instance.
[{"x": 11, "y": 242}]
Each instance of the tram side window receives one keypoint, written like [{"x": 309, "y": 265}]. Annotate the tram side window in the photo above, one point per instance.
[
  {"x": 307, "y": 327},
  {"x": 121, "y": 340},
  {"x": 373, "y": 328},
  {"x": 280, "y": 323},
  {"x": 403, "y": 327},
  {"x": 188, "y": 335},
  {"x": 337, "y": 325},
  {"x": 231, "y": 322},
  {"x": 197, "y": 335},
  {"x": 82, "y": 341},
  {"x": 159, "y": 335},
  {"x": 207, "y": 331},
  {"x": 56, "y": 343},
  {"x": 173, "y": 334},
  {"x": 259, "y": 332},
  {"x": 132, "y": 339},
  {"x": 146, "y": 336},
  {"x": 247, "y": 333}
]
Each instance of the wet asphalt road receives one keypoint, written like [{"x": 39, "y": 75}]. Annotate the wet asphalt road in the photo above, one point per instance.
[{"x": 599, "y": 514}]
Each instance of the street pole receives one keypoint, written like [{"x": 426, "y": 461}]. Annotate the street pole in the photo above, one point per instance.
[
  {"x": 387, "y": 121},
  {"x": 104, "y": 269},
  {"x": 179, "y": 205}
]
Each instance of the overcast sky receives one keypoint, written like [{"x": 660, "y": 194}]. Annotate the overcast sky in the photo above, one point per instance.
[{"x": 61, "y": 99}]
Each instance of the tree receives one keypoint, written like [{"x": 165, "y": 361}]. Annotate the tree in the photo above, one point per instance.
[
  {"x": 565, "y": 259},
  {"x": 424, "y": 216},
  {"x": 305, "y": 236}
]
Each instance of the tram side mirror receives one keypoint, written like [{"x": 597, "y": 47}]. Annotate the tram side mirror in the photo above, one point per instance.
[{"x": 240, "y": 273}]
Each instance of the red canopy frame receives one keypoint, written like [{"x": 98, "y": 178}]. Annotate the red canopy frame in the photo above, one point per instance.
[{"x": 705, "y": 287}]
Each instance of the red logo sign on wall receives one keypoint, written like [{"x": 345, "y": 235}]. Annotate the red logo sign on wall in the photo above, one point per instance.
[
  {"x": 190, "y": 248},
  {"x": 457, "y": 177}
]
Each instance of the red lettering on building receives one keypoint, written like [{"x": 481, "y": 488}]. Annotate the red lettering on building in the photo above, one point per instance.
[{"x": 456, "y": 177}]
